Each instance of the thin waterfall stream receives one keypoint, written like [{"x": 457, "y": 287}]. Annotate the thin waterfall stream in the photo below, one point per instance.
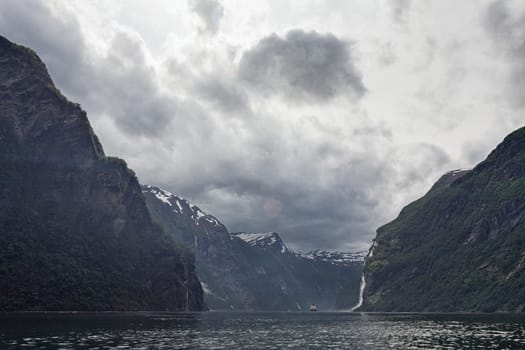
[
  {"x": 361, "y": 292},
  {"x": 362, "y": 285}
]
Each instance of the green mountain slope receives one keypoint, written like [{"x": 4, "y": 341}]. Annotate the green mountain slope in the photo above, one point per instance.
[{"x": 459, "y": 248}]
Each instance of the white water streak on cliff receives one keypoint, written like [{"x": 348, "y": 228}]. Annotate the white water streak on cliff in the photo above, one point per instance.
[
  {"x": 363, "y": 282},
  {"x": 361, "y": 292}
]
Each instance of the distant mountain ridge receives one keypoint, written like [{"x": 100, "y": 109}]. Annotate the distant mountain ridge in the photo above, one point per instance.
[
  {"x": 255, "y": 271},
  {"x": 461, "y": 246},
  {"x": 336, "y": 258},
  {"x": 273, "y": 240},
  {"x": 265, "y": 240}
]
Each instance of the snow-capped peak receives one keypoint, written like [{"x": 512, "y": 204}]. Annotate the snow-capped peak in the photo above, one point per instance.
[
  {"x": 181, "y": 206},
  {"x": 336, "y": 258},
  {"x": 253, "y": 238},
  {"x": 162, "y": 195},
  {"x": 264, "y": 239},
  {"x": 274, "y": 241}
]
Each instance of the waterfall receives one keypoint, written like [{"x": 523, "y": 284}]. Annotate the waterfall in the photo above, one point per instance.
[
  {"x": 361, "y": 292},
  {"x": 363, "y": 282}
]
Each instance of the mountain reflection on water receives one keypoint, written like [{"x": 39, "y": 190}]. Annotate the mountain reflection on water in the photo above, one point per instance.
[{"x": 251, "y": 330}]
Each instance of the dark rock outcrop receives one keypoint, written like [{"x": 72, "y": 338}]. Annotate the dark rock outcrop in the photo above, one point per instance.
[
  {"x": 75, "y": 233},
  {"x": 461, "y": 247}
]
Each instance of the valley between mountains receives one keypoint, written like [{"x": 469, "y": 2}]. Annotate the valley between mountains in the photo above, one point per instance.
[{"x": 78, "y": 232}]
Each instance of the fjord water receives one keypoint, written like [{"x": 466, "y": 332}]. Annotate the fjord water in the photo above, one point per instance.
[{"x": 214, "y": 330}]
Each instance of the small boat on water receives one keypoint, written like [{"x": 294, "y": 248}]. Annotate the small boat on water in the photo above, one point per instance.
[{"x": 313, "y": 307}]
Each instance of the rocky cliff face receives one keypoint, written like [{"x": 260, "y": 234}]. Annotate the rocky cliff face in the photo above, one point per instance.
[
  {"x": 218, "y": 266},
  {"x": 459, "y": 248},
  {"x": 75, "y": 233},
  {"x": 255, "y": 271}
]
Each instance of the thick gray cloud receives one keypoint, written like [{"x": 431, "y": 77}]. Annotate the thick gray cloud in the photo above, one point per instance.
[
  {"x": 297, "y": 193},
  {"x": 124, "y": 75},
  {"x": 210, "y": 12},
  {"x": 303, "y": 66},
  {"x": 202, "y": 126},
  {"x": 98, "y": 82},
  {"x": 308, "y": 217},
  {"x": 223, "y": 94},
  {"x": 57, "y": 39},
  {"x": 506, "y": 26}
]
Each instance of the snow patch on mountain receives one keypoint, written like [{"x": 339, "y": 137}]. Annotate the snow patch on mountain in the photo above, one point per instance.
[
  {"x": 164, "y": 196},
  {"x": 336, "y": 258},
  {"x": 264, "y": 240},
  {"x": 181, "y": 206},
  {"x": 272, "y": 240},
  {"x": 253, "y": 238},
  {"x": 181, "y": 210}
]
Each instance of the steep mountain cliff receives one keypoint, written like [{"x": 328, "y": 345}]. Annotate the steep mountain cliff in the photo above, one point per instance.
[
  {"x": 459, "y": 248},
  {"x": 255, "y": 271},
  {"x": 75, "y": 233}
]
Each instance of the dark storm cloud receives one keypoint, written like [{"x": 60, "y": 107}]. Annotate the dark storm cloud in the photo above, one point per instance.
[
  {"x": 313, "y": 205},
  {"x": 120, "y": 84},
  {"x": 506, "y": 28},
  {"x": 58, "y": 40},
  {"x": 303, "y": 66},
  {"x": 307, "y": 216},
  {"x": 320, "y": 186},
  {"x": 126, "y": 89},
  {"x": 210, "y": 12},
  {"x": 294, "y": 190},
  {"x": 223, "y": 94}
]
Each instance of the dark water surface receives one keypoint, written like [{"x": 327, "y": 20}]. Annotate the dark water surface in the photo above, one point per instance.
[{"x": 215, "y": 330}]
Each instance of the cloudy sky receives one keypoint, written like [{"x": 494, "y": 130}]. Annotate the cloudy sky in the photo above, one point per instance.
[{"x": 316, "y": 119}]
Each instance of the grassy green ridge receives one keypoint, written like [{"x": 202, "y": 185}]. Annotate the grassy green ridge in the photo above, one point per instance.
[{"x": 459, "y": 248}]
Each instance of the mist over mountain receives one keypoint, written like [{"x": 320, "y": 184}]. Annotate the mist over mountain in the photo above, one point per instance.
[{"x": 256, "y": 271}]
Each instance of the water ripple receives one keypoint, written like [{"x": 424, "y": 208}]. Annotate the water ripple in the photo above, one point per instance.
[{"x": 260, "y": 331}]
